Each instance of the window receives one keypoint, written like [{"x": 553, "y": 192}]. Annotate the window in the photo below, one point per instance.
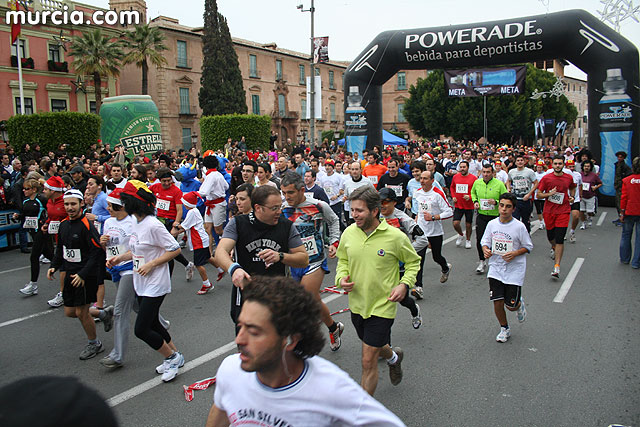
[
  {"x": 402, "y": 81},
  {"x": 255, "y": 104},
  {"x": 253, "y": 66},
  {"x": 184, "y": 101},
  {"x": 28, "y": 105},
  {"x": 281, "y": 107},
  {"x": 303, "y": 104},
  {"x": 186, "y": 138},
  {"x": 92, "y": 107},
  {"x": 54, "y": 53},
  {"x": 23, "y": 49},
  {"x": 182, "y": 53},
  {"x": 303, "y": 79},
  {"x": 58, "y": 105},
  {"x": 331, "y": 85},
  {"x": 278, "y": 69},
  {"x": 332, "y": 111},
  {"x": 401, "y": 113}
]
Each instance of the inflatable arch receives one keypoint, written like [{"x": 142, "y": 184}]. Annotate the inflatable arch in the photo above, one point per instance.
[{"x": 610, "y": 61}]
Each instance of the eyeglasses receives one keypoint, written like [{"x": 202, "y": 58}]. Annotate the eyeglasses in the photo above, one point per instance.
[{"x": 273, "y": 208}]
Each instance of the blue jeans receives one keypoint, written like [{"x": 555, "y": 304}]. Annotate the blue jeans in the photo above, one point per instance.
[{"x": 625, "y": 241}]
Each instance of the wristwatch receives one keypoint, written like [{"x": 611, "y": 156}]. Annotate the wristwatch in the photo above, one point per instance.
[{"x": 281, "y": 256}]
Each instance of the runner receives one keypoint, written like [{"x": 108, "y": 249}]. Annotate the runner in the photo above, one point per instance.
[
  {"x": 351, "y": 183},
  {"x": 575, "y": 206},
  {"x": 538, "y": 202},
  {"x": 461, "y": 185},
  {"x": 56, "y": 213},
  {"x": 485, "y": 194},
  {"x": 505, "y": 243},
  {"x": 590, "y": 183},
  {"x": 243, "y": 198},
  {"x": 213, "y": 190},
  {"x": 410, "y": 204},
  {"x": 310, "y": 217},
  {"x": 522, "y": 182},
  {"x": 78, "y": 254},
  {"x": 368, "y": 268},
  {"x": 277, "y": 377},
  {"x": 333, "y": 184},
  {"x": 557, "y": 208},
  {"x": 396, "y": 181}
]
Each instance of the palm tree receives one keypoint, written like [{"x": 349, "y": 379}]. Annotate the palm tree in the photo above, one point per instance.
[
  {"x": 96, "y": 54},
  {"x": 145, "y": 42}
]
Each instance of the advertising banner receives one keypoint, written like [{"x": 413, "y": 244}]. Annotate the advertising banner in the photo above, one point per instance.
[
  {"x": 320, "y": 50},
  {"x": 484, "y": 82},
  {"x": 317, "y": 104}
]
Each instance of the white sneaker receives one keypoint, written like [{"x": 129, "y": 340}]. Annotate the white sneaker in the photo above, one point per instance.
[
  {"x": 56, "y": 301},
  {"x": 552, "y": 254},
  {"x": 504, "y": 334},
  {"x": 556, "y": 272},
  {"x": 541, "y": 226},
  {"x": 572, "y": 237},
  {"x": 590, "y": 223},
  {"x": 416, "y": 321},
  {"x": 189, "y": 270},
  {"x": 583, "y": 226},
  {"x": 30, "y": 289},
  {"x": 480, "y": 268},
  {"x": 459, "y": 240},
  {"x": 522, "y": 311},
  {"x": 417, "y": 292},
  {"x": 174, "y": 364},
  {"x": 467, "y": 244}
]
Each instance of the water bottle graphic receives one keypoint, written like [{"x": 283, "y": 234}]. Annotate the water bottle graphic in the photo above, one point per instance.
[
  {"x": 355, "y": 122},
  {"x": 615, "y": 126},
  {"x": 486, "y": 78}
]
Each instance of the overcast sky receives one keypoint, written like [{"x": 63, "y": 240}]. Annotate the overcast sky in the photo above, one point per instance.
[{"x": 352, "y": 24}]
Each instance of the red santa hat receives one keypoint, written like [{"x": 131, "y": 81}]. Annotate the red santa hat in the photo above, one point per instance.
[
  {"x": 190, "y": 199},
  {"x": 55, "y": 183},
  {"x": 114, "y": 197}
]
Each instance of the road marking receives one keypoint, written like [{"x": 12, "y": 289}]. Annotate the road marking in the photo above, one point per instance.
[
  {"x": 568, "y": 281},
  {"x": 15, "y": 269},
  {"x": 601, "y": 219},
  {"x": 31, "y": 316},
  {"x": 535, "y": 226},
  {"x": 148, "y": 385}
]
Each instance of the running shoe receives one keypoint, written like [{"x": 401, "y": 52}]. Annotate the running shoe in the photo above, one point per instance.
[
  {"x": 504, "y": 334},
  {"x": 44, "y": 260},
  {"x": 221, "y": 274},
  {"x": 204, "y": 289},
  {"x": 556, "y": 272},
  {"x": 395, "y": 370},
  {"x": 590, "y": 223},
  {"x": 334, "y": 337},
  {"x": 417, "y": 292},
  {"x": 175, "y": 363},
  {"x": 108, "y": 362},
  {"x": 459, "y": 240},
  {"x": 189, "y": 270},
  {"x": 480, "y": 268},
  {"x": 552, "y": 254},
  {"x": 583, "y": 226},
  {"x": 165, "y": 365},
  {"x": 56, "y": 301},
  {"x": 445, "y": 274},
  {"x": 416, "y": 321},
  {"x": 107, "y": 322},
  {"x": 91, "y": 350},
  {"x": 541, "y": 226},
  {"x": 522, "y": 311},
  {"x": 30, "y": 289},
  {"x": 467, "y": 244},
  {"x": 572, "y": 237}
]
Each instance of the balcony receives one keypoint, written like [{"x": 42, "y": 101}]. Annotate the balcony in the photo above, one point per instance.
[
  {"x": 61, "y": 67},
  {"x": 26, "y": 62},
  {"x": 401, "y": 86},
  {"x": 285, "y": 115},
  {"x": 254, "y": 74},
  {"x": 187, "y": 110},
  {"x": 184, "y": 63}
]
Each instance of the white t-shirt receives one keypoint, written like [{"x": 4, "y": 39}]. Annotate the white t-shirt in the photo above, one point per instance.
[
  {"x": 119, "y": 233},
  {"x": 539, "y": 176},
  {"x": 214, "y": 186},
  {"x": 503, "y": 238},
  {"x": 247, "y": 401},
  {"x": 502, "y": 176},
  {"x": 332, "y": 186},
  {"x": 435, "y": 202},
  {"x": 350, "y": 186},
  {"x": 150, "y": 240},
  {"x": 197, "y": 236},
  {"x": 577, "y": 180}
]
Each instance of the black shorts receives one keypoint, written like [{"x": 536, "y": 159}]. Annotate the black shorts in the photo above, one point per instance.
[
  {"x": 539, "y": 206},
  {"x": 575, "y": 206},
  {"x": 201, "y": 256},
  {"x": 509, "y": 293},
  {"x": 374, "y": 331},
  {"x": 556, "y": 235},
  {"x": 83, "y": 295},
  {"x": 459, "y": 213}
]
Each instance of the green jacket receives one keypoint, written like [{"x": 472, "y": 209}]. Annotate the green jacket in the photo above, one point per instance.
[{"x": 486, "y": 191}]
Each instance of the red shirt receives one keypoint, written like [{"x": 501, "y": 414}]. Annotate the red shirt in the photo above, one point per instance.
[
  {"x": 559, "y": 202},
  {"x": 458, "y": 182},
  {"x": 167, "y": 200},
  {"x": 55, "y": 210},
  {"x": 630, "y": 198}
]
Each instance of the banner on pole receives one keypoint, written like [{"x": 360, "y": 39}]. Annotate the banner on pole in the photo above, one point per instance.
[
  {"x": 483, "y": 82},
  {"x": 317, "y": 98},
  {"x": 15, "y": 26},
  {"x": 320, "y": 50}
]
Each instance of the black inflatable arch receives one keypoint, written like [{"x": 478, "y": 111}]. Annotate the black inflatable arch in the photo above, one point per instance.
[{"x": 610, "y": 61}]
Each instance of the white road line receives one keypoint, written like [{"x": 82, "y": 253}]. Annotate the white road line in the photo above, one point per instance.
[
  {"x": 601, "y": 219},
  {"x": 535, "y": 226},
  {"x": 31, "y": 316},
  {"x": 15, "y": 269},
  {"x": 568, "y": 281}
]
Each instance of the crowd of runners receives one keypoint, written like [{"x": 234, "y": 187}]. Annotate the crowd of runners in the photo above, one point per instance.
[{"x": 270, "y": 220}]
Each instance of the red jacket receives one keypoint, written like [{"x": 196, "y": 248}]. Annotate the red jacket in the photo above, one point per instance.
[{"x": 630, "y": 199}]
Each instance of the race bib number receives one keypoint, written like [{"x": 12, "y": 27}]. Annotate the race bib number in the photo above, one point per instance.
[
  {"x": 98, "y": 226},
  {"x": 373, "y": 179},
  {"x": 520, "y": 184},
  {"x": 163, "y": 205},
  {"x": 310, "y": 245},
  {"x": 71, "y": 255},
  {"x": 462, "y": 188},
  {"x": 501, "y": 246},
  {"x": 308, "y": 195},
  {"x": 138, "y": 261},
  {"x": 114, "y": 251},
  {"x": 485, "y": 205},
  {"x": 585, "y": 187},
  {"x": 396, "y": 189},
  {"x": 557, "y": 198},
  {"x": 31, "y": 222},
  {"x": 53, "y": 228}
]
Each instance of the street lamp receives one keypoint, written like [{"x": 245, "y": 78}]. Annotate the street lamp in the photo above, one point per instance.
[{"x": 312, "y": 93}]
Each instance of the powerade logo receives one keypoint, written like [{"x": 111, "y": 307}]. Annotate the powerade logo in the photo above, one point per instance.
[
  {"x": 473, "y": 35},
  {"x": 617, "y": 112},
  {"x": 357, "y": 120}
]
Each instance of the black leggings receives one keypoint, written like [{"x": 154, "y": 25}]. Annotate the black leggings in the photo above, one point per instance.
[
  {"x": 42, "y": 245},
  {"x": 436, "y": 252},
  {"x": 481, "y": 225},
  {"x": 409, "y": 303},
  {"x": 148, "y": 327}
]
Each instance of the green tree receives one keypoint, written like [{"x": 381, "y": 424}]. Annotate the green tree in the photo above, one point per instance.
[
  {"x": 96, "y": 54},
  {"x": 221, "y": 89},
  {"x": 145, "y": 42}
]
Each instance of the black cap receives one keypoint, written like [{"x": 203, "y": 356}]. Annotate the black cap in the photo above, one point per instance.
[
  {"x": 387, "y": 194},
  {"x": 77, "y": 169},
  {"x": 621, "y": 153}
]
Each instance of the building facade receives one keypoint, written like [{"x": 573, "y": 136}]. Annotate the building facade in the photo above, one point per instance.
[{"x": 576, "y": 92}]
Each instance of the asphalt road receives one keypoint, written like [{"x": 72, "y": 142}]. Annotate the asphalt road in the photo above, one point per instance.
[{"x": 572, "y": 363}]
